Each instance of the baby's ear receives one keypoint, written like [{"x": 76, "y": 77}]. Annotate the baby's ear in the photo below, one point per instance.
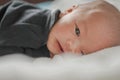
[{"x": 71, "y": 8}]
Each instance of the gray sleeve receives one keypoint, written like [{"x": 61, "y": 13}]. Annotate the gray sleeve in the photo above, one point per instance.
[{"x": 24, "y": 25}]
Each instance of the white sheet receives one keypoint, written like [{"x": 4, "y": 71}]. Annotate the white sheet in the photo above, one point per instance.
[{"x": 102, "y": 65}]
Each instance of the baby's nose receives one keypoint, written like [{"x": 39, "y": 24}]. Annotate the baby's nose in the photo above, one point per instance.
[
  {"x": 68, "y": 47},
  {"x": 73, "y": 47}
]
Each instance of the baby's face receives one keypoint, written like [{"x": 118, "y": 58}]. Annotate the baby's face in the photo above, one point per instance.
[{"x": 80, "y": 30}]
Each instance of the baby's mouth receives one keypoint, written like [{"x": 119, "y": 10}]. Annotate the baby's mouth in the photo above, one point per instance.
[{"x": 60, "y": 47}]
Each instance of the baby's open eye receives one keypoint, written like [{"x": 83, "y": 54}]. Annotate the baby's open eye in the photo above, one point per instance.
[{"x": 77, "y": 30}]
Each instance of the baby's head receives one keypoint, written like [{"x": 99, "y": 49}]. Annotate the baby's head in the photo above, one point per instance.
[{"x": 85, "y": 29}]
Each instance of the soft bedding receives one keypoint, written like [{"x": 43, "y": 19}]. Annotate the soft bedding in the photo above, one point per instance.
[{"x": 101, "y": 65}]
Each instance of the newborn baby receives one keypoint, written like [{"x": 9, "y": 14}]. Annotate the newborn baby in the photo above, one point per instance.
[{"x": 85, "y": 29}]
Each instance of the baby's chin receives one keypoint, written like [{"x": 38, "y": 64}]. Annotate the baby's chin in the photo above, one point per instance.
[
  {"x": 57, "y": 50},
  {"x": 54, "y": 48}
]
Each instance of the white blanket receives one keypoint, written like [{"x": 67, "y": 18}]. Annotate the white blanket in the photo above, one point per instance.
[{"x": 102, "y": 65}]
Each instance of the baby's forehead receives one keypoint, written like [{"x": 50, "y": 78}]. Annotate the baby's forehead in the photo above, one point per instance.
[
  {"x": 93, "y": 15},
  {"x": 98, "y": 5},
  {"x": 97, "y": 10},
  {"x": 102, "y": 17}
]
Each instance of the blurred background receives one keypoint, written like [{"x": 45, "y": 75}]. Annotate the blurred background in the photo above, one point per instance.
[
  {"x": 61, "y": 4},
  {"x": 31, "y": 1}
]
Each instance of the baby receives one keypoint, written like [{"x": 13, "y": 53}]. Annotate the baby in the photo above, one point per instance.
[{"x": 85, "y": 29}]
